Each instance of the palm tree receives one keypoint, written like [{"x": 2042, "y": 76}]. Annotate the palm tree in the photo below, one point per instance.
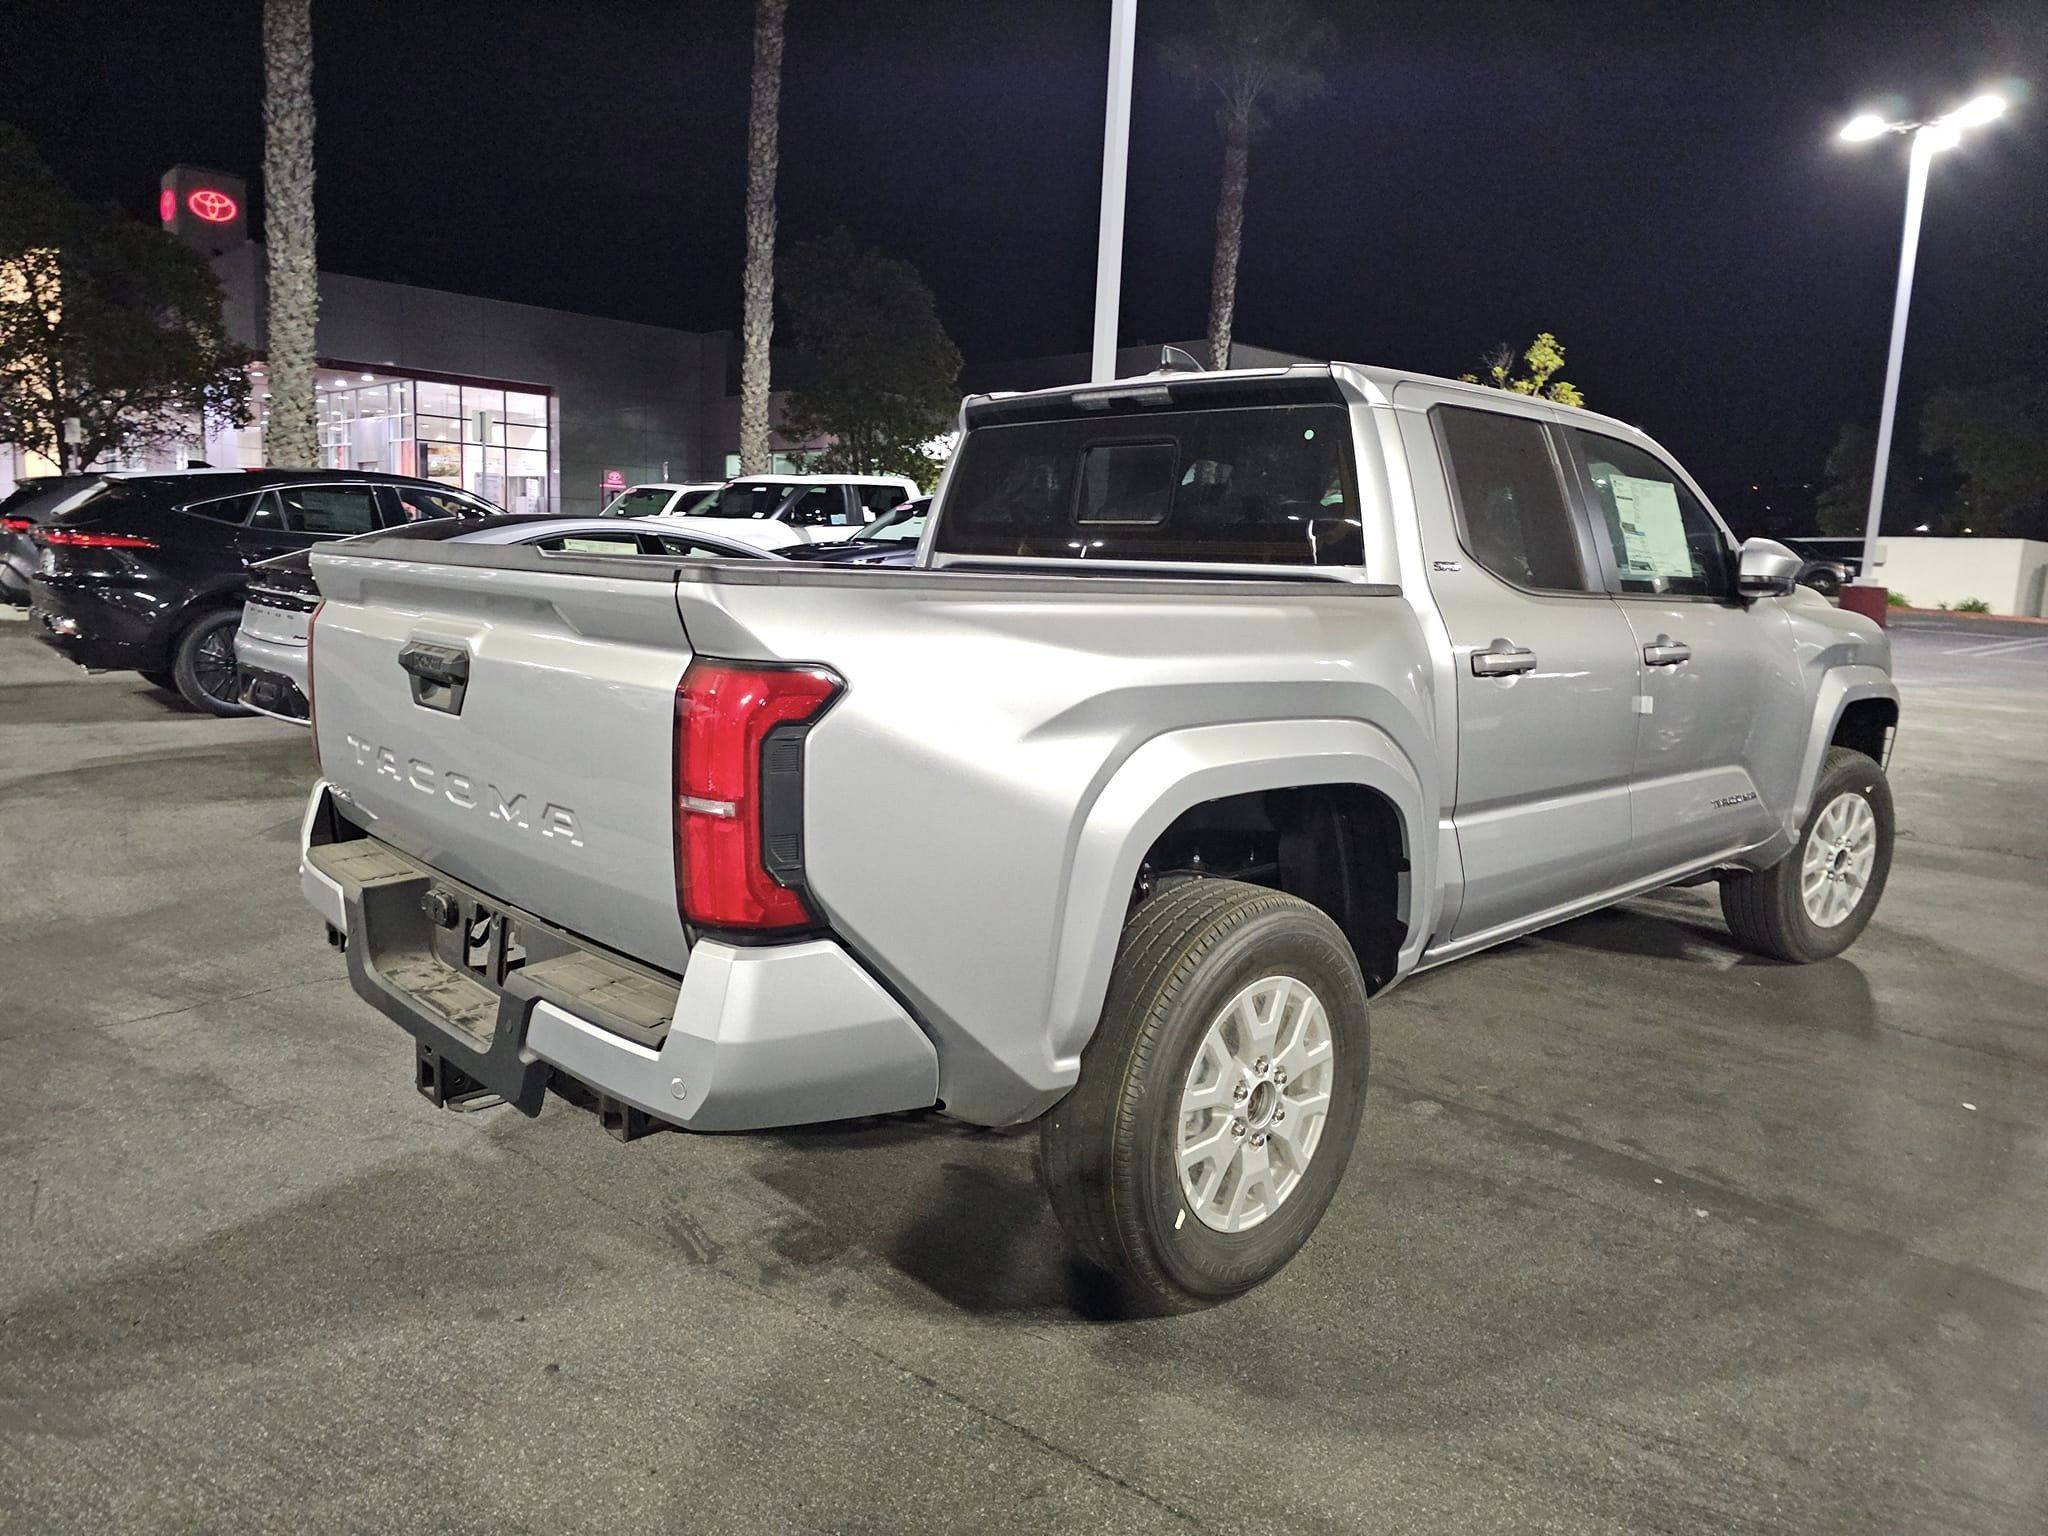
[
  {"x": 1259, "y": 59},
  {"x": 757, "y": 284},
  {"x": 294, "y": 303}
]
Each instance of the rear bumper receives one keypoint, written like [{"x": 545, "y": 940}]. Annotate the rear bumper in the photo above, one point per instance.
[
  {"x": 273, "y": 676},
  {"x": 84, "y": 629},
  {"x": 746, "y": 1039}
]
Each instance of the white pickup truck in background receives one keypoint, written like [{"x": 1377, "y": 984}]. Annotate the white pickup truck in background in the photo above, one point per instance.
[{"x": 1216, "y": 704}]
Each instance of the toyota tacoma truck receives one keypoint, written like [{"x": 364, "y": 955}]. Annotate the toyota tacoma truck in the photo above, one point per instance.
[{"x": 1215, "y": 705}]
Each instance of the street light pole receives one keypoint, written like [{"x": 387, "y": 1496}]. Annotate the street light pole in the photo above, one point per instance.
[
  {"x": 1922, "y": 155},
  {"x": 1929, "y": 139},
  {"x": 1116, "y": 154}
]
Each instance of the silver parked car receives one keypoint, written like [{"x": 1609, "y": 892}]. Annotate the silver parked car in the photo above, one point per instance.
[{"x": 1215, "y": 706}]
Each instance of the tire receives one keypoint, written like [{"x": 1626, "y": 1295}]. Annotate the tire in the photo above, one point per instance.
[
  {"x": 1110, "y": 1149},
  {"x": 1768, "y": 910},
  {"x": 167, "y": 681},
  {"x": 195, "y": 665}
]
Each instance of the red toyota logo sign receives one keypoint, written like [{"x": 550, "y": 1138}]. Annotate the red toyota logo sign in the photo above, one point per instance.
[
  {"x": 614, "y": 480},
  {"x": 167, "y": 205},
  {"x": 214, "y": 206}
]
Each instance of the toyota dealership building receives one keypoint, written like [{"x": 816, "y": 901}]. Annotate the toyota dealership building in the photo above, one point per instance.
[{"x": 533, "y": 408}]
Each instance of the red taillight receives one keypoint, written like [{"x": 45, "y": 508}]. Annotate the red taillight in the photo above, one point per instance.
[
  {"x": 79, "y": 538},
  {"x": 15, "y": 525},
  {"x": 738, "y": 819},
  {"x": 312, "y": 721}
]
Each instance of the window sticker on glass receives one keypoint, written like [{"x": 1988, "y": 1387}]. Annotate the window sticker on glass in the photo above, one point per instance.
[{"x": 1652, "y": 527}]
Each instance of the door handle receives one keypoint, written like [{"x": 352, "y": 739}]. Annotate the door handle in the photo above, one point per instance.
[
  {"x": 1503, "y": 658},
  {"x": 1666, "y": 652}
]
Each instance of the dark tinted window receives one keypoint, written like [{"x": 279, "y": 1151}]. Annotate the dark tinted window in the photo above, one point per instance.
[
  {"x": 223, "y": 509},
  {"x": 880, "y": 498},
  {"x": 1246, "y": 485},
  {"x": 641, "y": 501},
  {"x": 417, "y": 504},
  {"x": 822, "y": 506},
  {"x": 1511, "y": 507},
  {"x": 743, "y": 501},
  {"x": 328, "y": 509},
  {"x": 1663, "y": 539}
]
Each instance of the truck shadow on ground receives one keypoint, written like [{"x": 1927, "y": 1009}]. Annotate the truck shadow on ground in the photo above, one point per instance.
[{"x": 62, "y": 701}]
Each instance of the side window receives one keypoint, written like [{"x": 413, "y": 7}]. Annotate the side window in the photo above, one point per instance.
[
  {"x": 1511, "y": 507},
  {"x": 822, "y": 506},
  {"x": 621, "y": 543},
  {"x": 227, "y": 509},
  {"x": 266, "y": 514},
  {"x": 331, "y": 510},
  {"x": 417, "y": 504},
  {"x": 1663, "y": 540},
  {"x": 878, "y": 499}
]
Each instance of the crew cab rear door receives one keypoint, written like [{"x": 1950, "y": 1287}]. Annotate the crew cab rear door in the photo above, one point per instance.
[{"x": 1546, "y": 668}]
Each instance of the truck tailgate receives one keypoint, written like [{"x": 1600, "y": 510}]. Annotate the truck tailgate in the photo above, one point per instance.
[{"x": 508, "y": 718}]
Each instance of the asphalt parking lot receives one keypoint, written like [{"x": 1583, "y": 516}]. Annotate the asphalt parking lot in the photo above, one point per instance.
[{"x": 1642, "y": 1234}]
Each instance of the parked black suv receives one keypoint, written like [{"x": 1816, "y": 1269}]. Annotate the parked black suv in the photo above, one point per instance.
[
  {"x": 33, "y": 501},
  {"x": 147, "y": 573}
]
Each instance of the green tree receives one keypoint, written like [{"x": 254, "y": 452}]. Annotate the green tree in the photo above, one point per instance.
[
  {"x": 105, "y": 321},
  {"x": 1543, "y": 359},
  {"x": 885, "y": 374},
  {"x": 1843, "y": 506},
  {"x": 1997, "y": 439},
  {"x": 1258, "y": 58}
]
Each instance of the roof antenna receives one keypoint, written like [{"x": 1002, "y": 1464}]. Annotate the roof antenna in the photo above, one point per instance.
[{"x": 1176, "y": 360}]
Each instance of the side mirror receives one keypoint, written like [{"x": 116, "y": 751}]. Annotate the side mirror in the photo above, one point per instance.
[{"x": 1766, "y": 568}]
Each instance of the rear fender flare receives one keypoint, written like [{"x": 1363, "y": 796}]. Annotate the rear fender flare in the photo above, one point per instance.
[{"x": 1173, "y": 773}]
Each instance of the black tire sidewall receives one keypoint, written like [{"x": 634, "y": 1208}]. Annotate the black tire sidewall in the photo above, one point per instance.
[
  {"x": 1289, "y": 941},
  {"x": 1850, "y": 773},
  {"x": 183, "y": 669}
]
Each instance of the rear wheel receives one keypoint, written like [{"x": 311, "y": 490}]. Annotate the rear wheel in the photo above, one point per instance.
[
  {"x": 1219, "y": 1099},
  {"x": 1813, "y": 903},
  {"x": 203, "y": 668}
]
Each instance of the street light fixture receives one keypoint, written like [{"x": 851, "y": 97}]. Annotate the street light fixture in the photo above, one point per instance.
[{"x": 1930, "y": 138}]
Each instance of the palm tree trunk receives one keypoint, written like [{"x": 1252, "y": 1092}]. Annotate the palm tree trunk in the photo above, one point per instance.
[
  {"x": 1237, "y": 147},
  {"x": 294, "y": 303},
  {"x": 757, "y": 285}
]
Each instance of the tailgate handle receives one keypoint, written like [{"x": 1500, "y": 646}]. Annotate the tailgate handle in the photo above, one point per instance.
[{"x": 439, "y": 674}]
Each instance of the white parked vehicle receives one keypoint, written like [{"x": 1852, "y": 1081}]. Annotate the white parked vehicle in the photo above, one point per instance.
[
  {"x": 659, "y": 498},
  {"x": 270, "y": 646},
  {"x": 777, "y": 511}
]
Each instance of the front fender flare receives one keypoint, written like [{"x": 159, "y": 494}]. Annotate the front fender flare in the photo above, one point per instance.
[
  {"x": 1839, "y": 688},
  {"x": 1173, "y": 773}
]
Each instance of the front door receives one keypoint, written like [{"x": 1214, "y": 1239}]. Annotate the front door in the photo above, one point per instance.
[
  {"x": 1546, "y": 669},
  {"x": 1714, "y": 773}
]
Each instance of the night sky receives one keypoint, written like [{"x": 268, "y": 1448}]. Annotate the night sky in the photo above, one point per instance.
[{"x": 1655, "y": 183}]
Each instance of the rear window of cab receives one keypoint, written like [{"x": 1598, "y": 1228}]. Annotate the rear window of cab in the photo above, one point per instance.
[{"x": 1250, "y": 485}]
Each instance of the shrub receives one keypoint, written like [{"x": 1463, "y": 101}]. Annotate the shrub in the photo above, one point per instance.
[
  {"x": 1973, "y": 605},
  {"x": 1896, "y": 600}
]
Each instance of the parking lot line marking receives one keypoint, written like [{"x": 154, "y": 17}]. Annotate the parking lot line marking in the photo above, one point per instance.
[{"x": 1997, "y": 647}]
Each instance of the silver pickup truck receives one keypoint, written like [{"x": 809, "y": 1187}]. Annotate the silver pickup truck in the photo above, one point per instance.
[{"x": 1216, "y": 705}]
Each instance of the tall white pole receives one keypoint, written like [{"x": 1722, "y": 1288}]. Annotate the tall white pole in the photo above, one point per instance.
[
  {"x": 1116, "y": 153},
  {"x": 1909, "y": 250}
]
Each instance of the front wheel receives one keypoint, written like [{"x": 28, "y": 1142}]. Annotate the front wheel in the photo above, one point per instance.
[
  {"x": 204, "y": 664},
  {"x": 1812, "y": 903},
  {"x": 1219, "y": 1099}
]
